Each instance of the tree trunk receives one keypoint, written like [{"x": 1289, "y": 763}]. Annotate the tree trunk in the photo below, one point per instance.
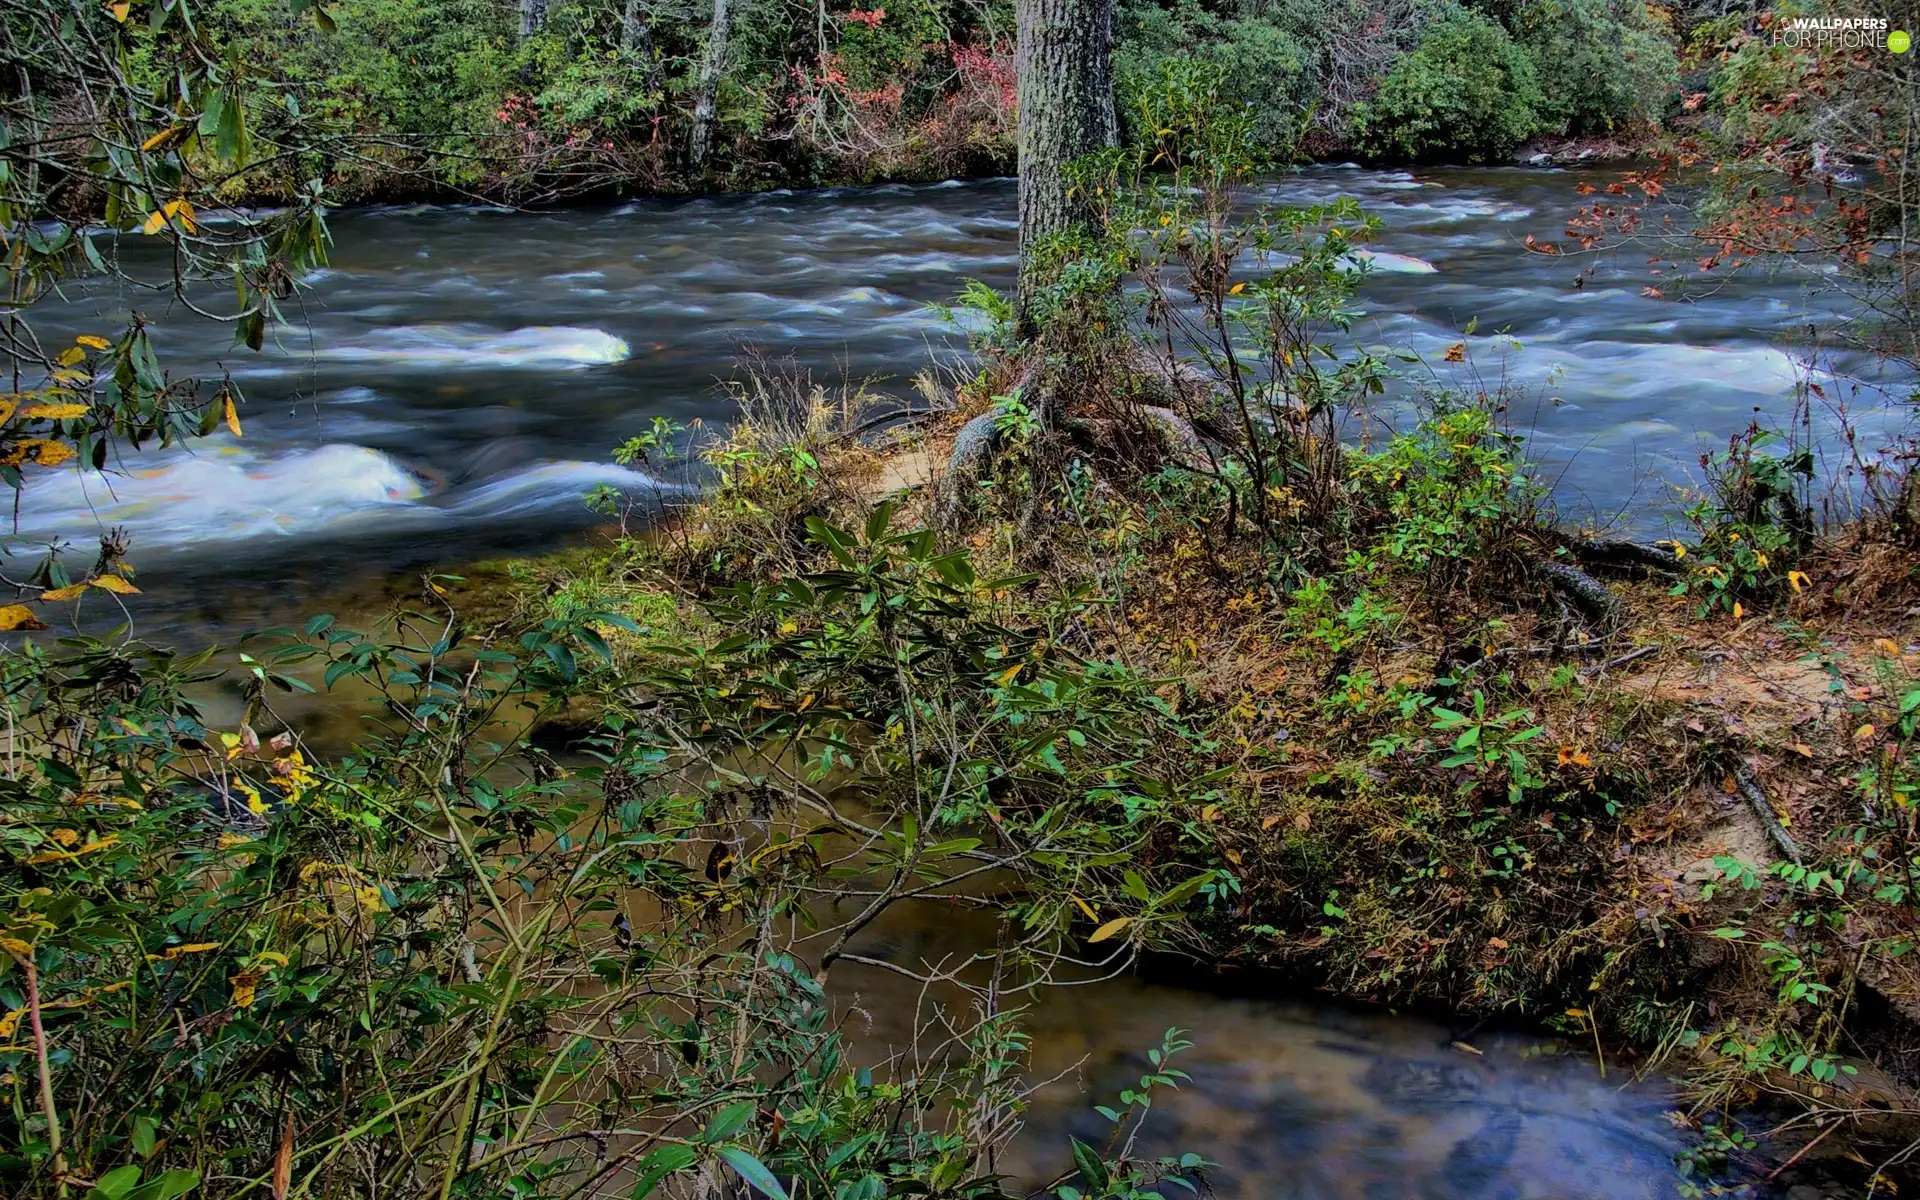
[
  {"x": 1064, "y": 65},
  {"x": 709, "y": 85},
  {"x": 636, "y": 39},
  {"x": 533, "y": 16}
]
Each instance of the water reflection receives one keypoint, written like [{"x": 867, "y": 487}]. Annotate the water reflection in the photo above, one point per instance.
[{"x": 1293, "y": 1099}]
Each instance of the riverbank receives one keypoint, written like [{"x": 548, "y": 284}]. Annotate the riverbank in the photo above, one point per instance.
[{"x": 1539, "y": 777}]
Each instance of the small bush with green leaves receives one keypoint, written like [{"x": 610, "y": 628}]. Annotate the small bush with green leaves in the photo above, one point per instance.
[
  {"x": 1753, "y": 522},
  {"x": 1468, "y": 92},
  {"x": 1601, "y": 64}
]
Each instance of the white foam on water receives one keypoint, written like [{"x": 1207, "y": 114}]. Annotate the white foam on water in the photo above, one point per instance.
[
  {"x": 223, "y": 494},
  {"x": 563, "y": 347},
  {"x": 1395, "y": 264},
  {"x": 557, "y": 482},
  {"x": 1396, "y": 181},
  {"x": 1667, "y": 368},
  {"x": 232, "y": 494},
  {"x": 1459, "y": 208}
]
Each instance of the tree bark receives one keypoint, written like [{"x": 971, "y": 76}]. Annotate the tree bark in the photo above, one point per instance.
[
  {"x": 1064, "y": 65},
  {"x": 533, "y": 16},
  {"x": 708, "y": 89},
  {"x": 636, "y": 39}
]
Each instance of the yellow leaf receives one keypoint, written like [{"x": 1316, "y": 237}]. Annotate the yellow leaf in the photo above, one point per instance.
[
  {"x": 1210, "y": 813},
  {"x": 1110, "y": 928},
  {"x": 1887, "y": 647},
  {"x": 1457, "y": 352},
  {"x": 19, "y": 616},
  {"x": 163, "y": 138},
  {"x": 120, "y": 10},
  {"x": 1738, "y": 612},
  {"x": 244, "y": 987},
  {"x": 1236, "y": 289},
  {"x": 57, "y": 412},
  {"x": 156, "y": 221},
  {"x": 181, "y": 211},
  {"x": 51, "y": 454},
  {"x": 1864, "y": 732},
  {"x": 233, "y": 417},
  {"x": 73, "y": 592},
  {"x": 6, "y": 409},
  {"x": 47, "y": 856},
  {"x": 1006, "y": 677},
  {"x": 93, "y": 341},
  {"x": 1802, "y": 749},
  {"x": 115, "y": 584},
  {"x": 70, "y": 356},
  {"x": 191, "y": 948},
  {"x": 1797, "y": 579},
  {"x": 1087, "y": 909}
]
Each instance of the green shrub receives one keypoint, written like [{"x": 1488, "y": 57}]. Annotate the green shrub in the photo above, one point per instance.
[
  {"x": 1600, "y": 63},
  {"x": 1468, "y": 92},
  {"x": 1263, "y": 66}
]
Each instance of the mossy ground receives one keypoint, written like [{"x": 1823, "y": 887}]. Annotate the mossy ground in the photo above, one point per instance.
[{"x": 1570, "y": 868}]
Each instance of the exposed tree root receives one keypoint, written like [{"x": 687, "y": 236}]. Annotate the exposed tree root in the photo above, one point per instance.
[
  {"x": 1763, "y": 808},
  {"x": 1594, "y": 599},
  {"x": 1619, "y": 554},
  {"x": 973, "y": 449}
]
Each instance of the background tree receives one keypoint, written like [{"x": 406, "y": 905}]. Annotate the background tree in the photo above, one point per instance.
[
  {"x": 1065, "y": 87},
  {"x": 707, "y": 93}
]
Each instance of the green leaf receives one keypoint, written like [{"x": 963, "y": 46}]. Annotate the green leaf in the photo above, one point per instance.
[
  {"x": 833, "y": 540},
  {"x": 115, "y": 1184},
  {"x": 657, "y": 1166},
  {"x": 956, "y": 846},
  {"x": 1185, "y": 891},
  {"x": 753, "y": 1171},
  {"x": 1091, "y": 1168},
  {"x": 169, "y": 1186},
  {"x": 145, "y": 1131},
  {"x": 727, "y": 1122}
]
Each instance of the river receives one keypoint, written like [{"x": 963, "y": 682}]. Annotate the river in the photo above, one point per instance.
[{"x": 452, "y": 384}]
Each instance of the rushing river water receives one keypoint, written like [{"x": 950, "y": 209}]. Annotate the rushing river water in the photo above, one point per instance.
[{"x": 455, "y": 381}]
